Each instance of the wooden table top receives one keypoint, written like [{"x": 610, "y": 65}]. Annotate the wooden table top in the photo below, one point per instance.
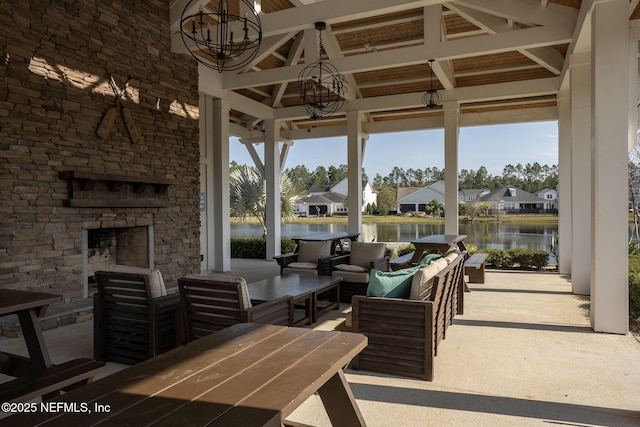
[
  {"x": 296, "y": 285},
  {"x": 244, "y": 375},
  {"x": 13, "y": 301},
  {"x": 320, "y": 237},
  {"x": 441, "y": 239}
]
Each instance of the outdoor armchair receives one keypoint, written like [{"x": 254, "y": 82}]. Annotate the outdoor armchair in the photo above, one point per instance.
[
  {"x": 213, "y": 302},
  {"x": 355, "y": 267},
  {"x": 133, "y": 317},
  {"x": 311, "y": 258}
]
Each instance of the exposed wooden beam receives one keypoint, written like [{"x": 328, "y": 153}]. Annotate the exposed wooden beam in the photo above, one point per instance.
[
  {"x": 483, "y": 45},
  {"x": 335, "y": 11},
  {"x": 513, "y": 90},
  {"x": 547, "y": 57},
  {"x": 525, "y": 11}
]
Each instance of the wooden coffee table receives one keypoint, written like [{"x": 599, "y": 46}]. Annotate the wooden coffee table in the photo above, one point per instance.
[{"x": 303, "y": 289}]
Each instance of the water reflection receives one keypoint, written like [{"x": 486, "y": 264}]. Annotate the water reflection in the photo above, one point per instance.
[{"x": 482, "y": 234}]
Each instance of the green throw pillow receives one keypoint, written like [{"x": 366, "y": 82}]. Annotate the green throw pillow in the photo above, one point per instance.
[
  {"x": 393, "y": 284},
  {"x": 428, "y": 258}
]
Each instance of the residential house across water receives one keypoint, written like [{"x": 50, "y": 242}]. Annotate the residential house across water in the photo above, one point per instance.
[{"x": 331, "y": 199}]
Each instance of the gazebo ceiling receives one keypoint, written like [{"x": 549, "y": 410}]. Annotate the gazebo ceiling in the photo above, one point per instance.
[{"x": 493, "y": 57}]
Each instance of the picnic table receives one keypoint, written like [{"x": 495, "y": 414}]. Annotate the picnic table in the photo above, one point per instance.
[
  {"x": 437, "y": 243},
  {"x": 246, "y": 374},
  {"x": 336, "y": 238},
  {"x": 28, "y": 306},
  {"x": 35, "y": 375}
]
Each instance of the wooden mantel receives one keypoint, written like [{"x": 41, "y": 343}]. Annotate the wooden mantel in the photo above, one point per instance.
[{"x": 95, "y": 190}]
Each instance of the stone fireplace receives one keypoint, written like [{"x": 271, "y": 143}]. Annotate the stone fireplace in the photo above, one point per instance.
[
  {"x": 70, "y": 199},
  {"x": 132, "y": 246}
]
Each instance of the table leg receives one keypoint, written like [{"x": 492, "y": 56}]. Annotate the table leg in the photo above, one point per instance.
[
  {"x": 417, "y": 256},
  {"x": 339, "y": 402},
  {"x": 463, "y": 247},
  {"x": 38, "y": 354}
]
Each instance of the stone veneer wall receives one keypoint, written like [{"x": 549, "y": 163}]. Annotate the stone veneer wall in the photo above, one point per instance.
[{"x": 53, "y": 95}]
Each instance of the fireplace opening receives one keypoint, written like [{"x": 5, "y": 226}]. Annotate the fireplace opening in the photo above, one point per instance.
[{"x": 130, "y": 246}]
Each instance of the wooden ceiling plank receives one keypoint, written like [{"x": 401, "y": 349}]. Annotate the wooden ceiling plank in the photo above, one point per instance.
[
  {"x": 335, "y": 11},
  {"x": 525, "y": 11}
]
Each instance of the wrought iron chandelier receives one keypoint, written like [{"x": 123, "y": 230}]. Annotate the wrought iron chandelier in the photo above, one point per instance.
[
  {"x": 209, "y": 36},
  {"x": 322, "y": 88},
  {"x": 432, "y": 98}
]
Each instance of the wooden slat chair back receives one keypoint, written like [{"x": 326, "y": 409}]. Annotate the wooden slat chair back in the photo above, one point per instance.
[
  {"x": 214, "y": 302},
  {"x": 129, "y": 325},
  {"x": 446, "y": 291}
]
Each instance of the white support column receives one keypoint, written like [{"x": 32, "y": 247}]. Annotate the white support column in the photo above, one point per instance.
[
  {"x": 634, "y": 34},
  {"x": 220, "y": 187},
  {"x": 206, "y": 179},
  {"x": 451, "y": 133},
  {"x": 272, "y": 177},
  {"x": 581, "y": 175},
  {"x": 609, "y": 217},
  {"x": 565, "y": 236},
  {"x": 354, "y": 162}
]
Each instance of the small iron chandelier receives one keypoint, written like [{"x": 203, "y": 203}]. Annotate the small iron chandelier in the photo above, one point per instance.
[
  {"x": 432, "y": 98},
  {"x": 322, "y": 88},
  {"x": 209, "y": 36}
]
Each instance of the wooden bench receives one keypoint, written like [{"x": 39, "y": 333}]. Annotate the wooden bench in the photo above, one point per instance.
[
  {"x": 474, "y": 267},
  {"x": 49, "y": 381},
  {"x": 401, "y": 262}
]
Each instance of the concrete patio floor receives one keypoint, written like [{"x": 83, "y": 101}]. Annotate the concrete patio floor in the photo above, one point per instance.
[{"x": 522, "y": 354}]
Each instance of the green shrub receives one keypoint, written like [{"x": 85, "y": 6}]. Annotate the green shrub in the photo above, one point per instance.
[
  {"x": 528, "y": 259},
  {"x": 634, "y": 284},
  {"x": 498, "y": 258},
  {"x": 521, "y": 258},
  {"x": 403, "y": 250},
  {"x": 389, "y": 252},
  {"x": 256, "y": 248}
]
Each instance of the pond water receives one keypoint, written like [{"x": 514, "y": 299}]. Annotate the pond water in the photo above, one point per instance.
[{"x": 481, "y": 234}]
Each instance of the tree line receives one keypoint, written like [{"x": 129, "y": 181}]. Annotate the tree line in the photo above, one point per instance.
[{"x": 530, "y": 177}]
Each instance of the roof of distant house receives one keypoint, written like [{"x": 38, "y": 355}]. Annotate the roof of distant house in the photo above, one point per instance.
[
  {"x": 335, "y": 197},
  {"x": 405, "y": 191},
  {"x": 472, "y": 191},
  {"x": 322, "y": 199},
  {"x": 544, "y": 190},
  {"x": 510, "y": 194},
  {"x": 319, "y": 188}
]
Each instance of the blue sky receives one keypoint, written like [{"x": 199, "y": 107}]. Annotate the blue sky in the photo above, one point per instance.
[{"x": 489, "y": 146}]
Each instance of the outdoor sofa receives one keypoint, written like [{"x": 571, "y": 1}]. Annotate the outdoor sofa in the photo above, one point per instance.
[{"x": 404, "y": 330}]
